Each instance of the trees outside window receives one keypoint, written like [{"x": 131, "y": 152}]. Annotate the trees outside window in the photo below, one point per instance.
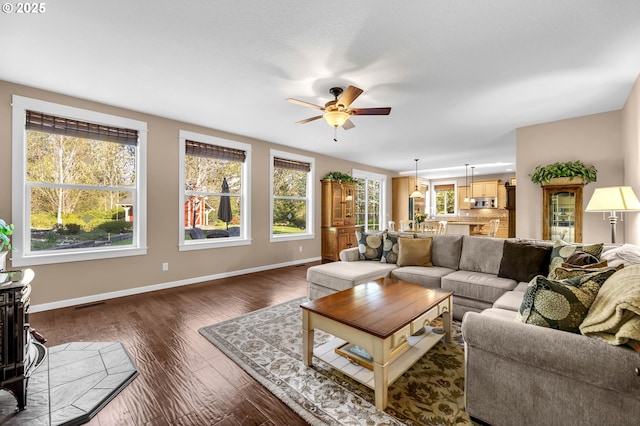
[
  {"x": 291, "y": 201},
  {"x": 213, "y": 190},
  {"x": 369, "y": 206},
  {"x": 81, "y": 174},
  {"x": 445, "y": 201}
]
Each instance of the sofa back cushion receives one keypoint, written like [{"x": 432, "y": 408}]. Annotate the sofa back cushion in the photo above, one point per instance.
[
  {"x": 481, "y": 254},
  {"x": 445, "y": 249}
]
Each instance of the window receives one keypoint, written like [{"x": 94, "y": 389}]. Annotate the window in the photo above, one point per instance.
[
  {"x": 214, "y": 192},
  {"x": 370, "y": 188},
  {"x": 79, "y": 184},
  {"x": 291, "y": 200},
  {"x": 445, "y": 199}
]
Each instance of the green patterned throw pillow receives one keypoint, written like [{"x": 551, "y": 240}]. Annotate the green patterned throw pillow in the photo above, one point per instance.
[
  {"x": 370, "y": 245},
  {"x": 562, "y": 251},
  {"x": 561, "y": 304}
]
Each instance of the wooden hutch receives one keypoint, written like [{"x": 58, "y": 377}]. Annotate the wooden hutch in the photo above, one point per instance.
[
  {"x": 562, "y": 212},
  {"x": 338, "y": 218}
]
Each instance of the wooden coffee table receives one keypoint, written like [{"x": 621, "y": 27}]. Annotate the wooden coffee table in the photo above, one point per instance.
[{"x": 379, "y": 316}]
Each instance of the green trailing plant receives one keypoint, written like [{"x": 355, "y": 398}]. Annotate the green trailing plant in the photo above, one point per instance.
[
  {"x": 340, "y": 177},
  {"x": 570, "y": 169},
  {"x": 6, "y": 230}
]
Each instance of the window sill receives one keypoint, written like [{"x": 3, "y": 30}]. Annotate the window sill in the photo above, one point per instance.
[
  {"x": 293, "y": 237},
  {"x": 212, "y": 243},
  {"x": 51, "y": 258}
]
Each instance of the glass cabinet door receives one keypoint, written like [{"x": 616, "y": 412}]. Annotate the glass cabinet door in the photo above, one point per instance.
[
  {"x": 562, "y": 216},
  {"x": 349, "y": 205},
  {"x": 336, "y": 203}
]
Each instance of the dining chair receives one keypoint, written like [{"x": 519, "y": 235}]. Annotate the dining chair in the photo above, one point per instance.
[
  {"x": 406, "y": 225},
  {"x": 442, "y": 227},
  {"x": 493, "y": 228}
]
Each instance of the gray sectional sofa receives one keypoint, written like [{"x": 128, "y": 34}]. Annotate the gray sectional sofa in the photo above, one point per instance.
[
  {"x": 468, "y": 266},
  {"x": 515, "y": 373}
]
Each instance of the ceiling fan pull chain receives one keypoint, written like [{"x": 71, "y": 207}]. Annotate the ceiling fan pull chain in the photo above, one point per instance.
[{"x": 335, "y": 134}]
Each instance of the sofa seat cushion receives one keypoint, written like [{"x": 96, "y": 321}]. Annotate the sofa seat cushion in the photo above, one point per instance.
[
  {"x": 502, "y": 314},
  {"x": 343, "y": 275},
  {"x": 428, "y": 277},
  {"x": 477, "y": 285},
  {"x": 510, "y": 301}
]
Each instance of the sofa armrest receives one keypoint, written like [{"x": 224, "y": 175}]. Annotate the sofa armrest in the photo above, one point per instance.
[
  {"x": 571, "y": 355},
  {"x": 350, "y": 255}
]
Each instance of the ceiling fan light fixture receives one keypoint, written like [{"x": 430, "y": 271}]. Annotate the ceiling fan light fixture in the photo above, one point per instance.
[{"x": 336, "y": 118}]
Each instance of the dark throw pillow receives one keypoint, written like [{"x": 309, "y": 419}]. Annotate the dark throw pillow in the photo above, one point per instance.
[
  {"x": 391, "y": 248},
  {"x": 581, "y": 258},
  {"x": 523, "y": 261},
  {"x": 370, "y": 245}
]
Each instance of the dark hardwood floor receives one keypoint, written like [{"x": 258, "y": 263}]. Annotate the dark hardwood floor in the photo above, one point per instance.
[{"x": 184, "y": 379}]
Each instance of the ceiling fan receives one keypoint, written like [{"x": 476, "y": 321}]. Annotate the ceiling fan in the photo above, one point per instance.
[{"x": 337, "y": 111}]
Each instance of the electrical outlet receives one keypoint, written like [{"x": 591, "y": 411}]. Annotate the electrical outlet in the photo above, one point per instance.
[
  {"x": 165, "y": 266},
  {"x": 300, "y": 249}
]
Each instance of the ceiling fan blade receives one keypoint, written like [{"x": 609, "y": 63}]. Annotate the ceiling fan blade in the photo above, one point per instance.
[
  {"x": 305, "y": 104},
  {"x": 308, "y": 119},
  {"x": 348, "y": 125},
  {"x": 370, "y": 111},
  {"x": 349, "y": 96}
]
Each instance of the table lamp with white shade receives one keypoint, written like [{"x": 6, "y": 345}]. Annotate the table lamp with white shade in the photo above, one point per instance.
[{"x": 613, "y": 199}]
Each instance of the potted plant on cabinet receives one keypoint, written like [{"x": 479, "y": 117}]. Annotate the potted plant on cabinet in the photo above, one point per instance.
[
  {"x": 5, "y": 242},
  {"x": 570, "y": 172},
  {"x": 340, "y": 177}
]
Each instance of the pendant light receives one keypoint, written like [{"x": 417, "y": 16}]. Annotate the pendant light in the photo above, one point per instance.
[
  {"x": 472, "y": 200},
  {"x": 416, "y": 193},
  {"x": 466, "y": 183}
]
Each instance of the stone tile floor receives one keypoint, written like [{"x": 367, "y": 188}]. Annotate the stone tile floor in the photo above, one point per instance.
[{"x": 71, "y": 385}]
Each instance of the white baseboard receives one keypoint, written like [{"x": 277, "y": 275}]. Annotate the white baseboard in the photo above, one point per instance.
[{"x": 137, "y": 290}]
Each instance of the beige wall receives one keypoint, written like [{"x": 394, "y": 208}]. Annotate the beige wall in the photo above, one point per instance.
[
  {"x": 631, "y": 149},
  {"x": 65, "y": 281},
  {"x": 593, "y": 139}
]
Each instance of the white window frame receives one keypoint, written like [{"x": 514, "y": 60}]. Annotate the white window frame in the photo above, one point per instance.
[
  {"x": 455, "y": 196},
  {"x": 245, "y": 226},
  {"x": 310, "y": 234},
  {"x": 21, "y": 194},
  {"x": 362, "y": 174}
]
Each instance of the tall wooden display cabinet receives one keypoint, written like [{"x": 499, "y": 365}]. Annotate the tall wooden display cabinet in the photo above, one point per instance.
[
  {"x": 562, "y": 212},
  {"x": 338, "y": 218}
]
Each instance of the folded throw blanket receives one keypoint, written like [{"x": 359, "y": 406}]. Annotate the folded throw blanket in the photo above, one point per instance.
[{"x": 614, "y": 315}]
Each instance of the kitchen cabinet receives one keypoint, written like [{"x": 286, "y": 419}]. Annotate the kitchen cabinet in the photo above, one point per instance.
[
  {"x": 502, "y": 197},
  {"x": 338, "y": 219},
  {"x": 562, "y": 212},
  {"x": 463, "y": 191},
  {"x": 403, "y": 207},
  {"x": 485, "y": 188}
]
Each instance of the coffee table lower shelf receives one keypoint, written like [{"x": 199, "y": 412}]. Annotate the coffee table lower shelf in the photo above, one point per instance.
[{"x": 418, "y": 347}]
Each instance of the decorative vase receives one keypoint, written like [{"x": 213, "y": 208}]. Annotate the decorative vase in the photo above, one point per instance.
[{"x": 3, "y": 260}]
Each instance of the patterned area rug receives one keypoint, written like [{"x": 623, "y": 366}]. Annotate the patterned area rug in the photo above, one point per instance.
[{"x": 268, "y": 345}]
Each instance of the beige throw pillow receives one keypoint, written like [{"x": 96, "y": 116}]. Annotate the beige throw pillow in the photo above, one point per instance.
[{"x": 414, "y": 252}]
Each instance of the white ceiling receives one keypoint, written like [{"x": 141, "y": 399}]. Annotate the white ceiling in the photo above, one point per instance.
[{"x": 460, "y": 75}]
